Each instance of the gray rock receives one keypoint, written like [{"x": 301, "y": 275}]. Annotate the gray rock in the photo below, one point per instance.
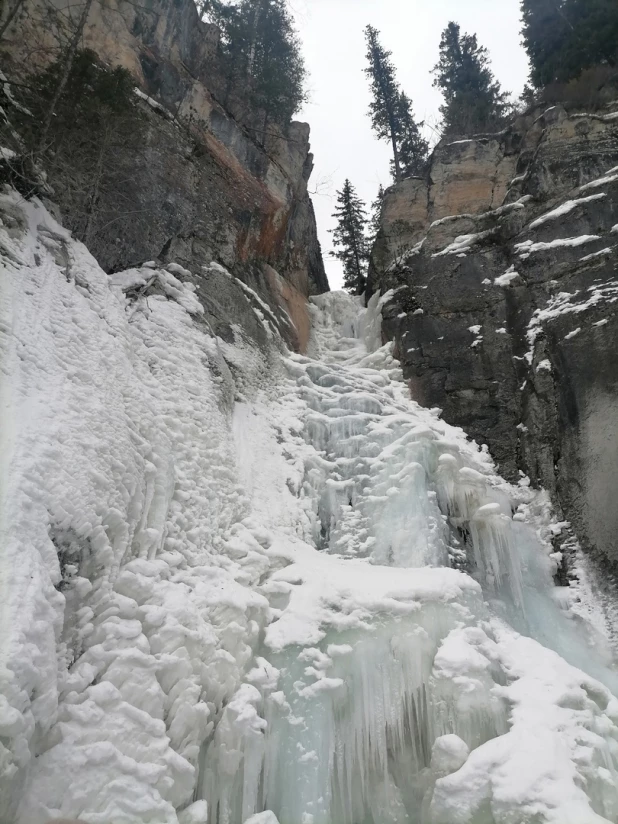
[{"x": 504, "y": 321}]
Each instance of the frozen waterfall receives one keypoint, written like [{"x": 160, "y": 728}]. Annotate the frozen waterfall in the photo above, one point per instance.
[{"x": 243, "y": 586}]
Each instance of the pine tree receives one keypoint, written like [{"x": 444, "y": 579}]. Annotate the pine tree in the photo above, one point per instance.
[
  {"x": 275, "y": 65},
  {"x": 413, "y": 148},
  {"x": 473, "y": 100},
  {"x": 384, "y": 109},
  {"x": 594, "y": 36},
  {"x": 351, "y": 239},
  {"x": 263, "y": 53},
  {"x": 546, "y": 31},
  {"x": 376, "y": 215},
  {"x": 564, "y": 37}
]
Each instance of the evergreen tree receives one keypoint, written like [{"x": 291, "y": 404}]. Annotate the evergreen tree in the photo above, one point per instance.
[
  {"x": 263, "y": 52},
  {"x": 546, "y": 31},
  {"x": 92, "y": 144},
  {"x": 275, "y": 66},
  {"x": 564, "y": 37},
  {"x": 413, "y": 148},
  {"x": 384, "y": 109},
  {"x": 351, "y": 239},
  {"x": 376, "y": 215},
  {"x": 473, "y": 100},
  {"x": 594, "y": 36}
]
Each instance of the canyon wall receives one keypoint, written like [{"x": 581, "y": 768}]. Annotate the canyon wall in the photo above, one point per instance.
[
  {"x": 207, "y": 182},
  {"x": 503, "y": 264}
]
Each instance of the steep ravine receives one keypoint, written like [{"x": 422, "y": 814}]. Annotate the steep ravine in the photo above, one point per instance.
[
  {"x": 504, "y": 264},
  {"x": 242, "y": 585}
]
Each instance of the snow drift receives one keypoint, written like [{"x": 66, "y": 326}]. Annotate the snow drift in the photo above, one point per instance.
[{"x": 255, "y": 586}]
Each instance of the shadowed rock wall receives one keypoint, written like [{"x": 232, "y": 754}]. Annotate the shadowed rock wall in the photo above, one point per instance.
[
  {"x": 208, "y": 184},
  {"x": 503, "y": 266}
]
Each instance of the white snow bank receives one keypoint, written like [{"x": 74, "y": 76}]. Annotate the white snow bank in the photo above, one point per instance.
[
  {"x": 567, "y": 303},
  {"x": 555, "y": 709},
  {"x": 507, "y": 278},
  {"x": 529, "y": 247},
  {"x": 464, "y": 242},
  {"x": 564, "y": 209},
  {"x": 154, "y": 104},
  {"x": 124, "y": 628},
  {"x": 610, "y": 176}
]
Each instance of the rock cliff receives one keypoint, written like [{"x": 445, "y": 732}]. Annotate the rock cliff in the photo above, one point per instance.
[
  {"x": 504, "y": 304},
  {"x": 207, "y": 184}
]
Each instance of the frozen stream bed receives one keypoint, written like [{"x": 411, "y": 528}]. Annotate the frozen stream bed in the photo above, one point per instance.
[{"x": 258, "y": 586}]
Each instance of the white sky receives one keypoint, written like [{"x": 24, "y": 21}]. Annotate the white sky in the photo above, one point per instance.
[{"x": 334, "y": 49}]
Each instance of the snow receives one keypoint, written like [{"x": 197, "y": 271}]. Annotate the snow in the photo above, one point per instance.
[
  {"x": 601, "y": 253},
  {"x": 528, "y": 247},
  {"x": 564, "y": 209},
  {"x": 594, "y": 116},
  {"x": 501, "y": 210},
  {"x": 568, "y": 303},
  {"x": 479, "y": 338},
  {"x": 463, "y": 243},
  {"x": 251, "y": 586},
  {"x": 610, "y": 177},
  {"x": 154, "y": 104},
  {"x": 507, "y": 278},
  {"x": 568, "y": 721},
  {"x": 8, "y": 92},
  {"x": 573, "y": 333}
]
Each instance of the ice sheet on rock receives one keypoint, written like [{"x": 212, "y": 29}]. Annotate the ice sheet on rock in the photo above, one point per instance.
[
  {"x": 128, "y": 613},
  {"x": 562, "y": 739},
  {"x": 383, "y": 653}
]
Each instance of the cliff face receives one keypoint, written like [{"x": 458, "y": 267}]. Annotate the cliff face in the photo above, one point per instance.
[
  {"x": 207, "y": 183},
  {"x": 504, "y": 311}
]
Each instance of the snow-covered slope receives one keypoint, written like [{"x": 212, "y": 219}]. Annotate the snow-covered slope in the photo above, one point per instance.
[{"x": 236, "y": 581}]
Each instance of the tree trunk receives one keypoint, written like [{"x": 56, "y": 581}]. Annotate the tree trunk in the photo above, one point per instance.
[
  {"x": 64, "y": 76},
  {"x": 10, "y": 17},
  {"x": 253, "y": 47},
  {"x": 96, "y": 185},
  {"x": 391, "y": 122},
  {"x": 395, "y": 153},
  {"x": 564, "y": 17},
  {"x": 360, "y": 278}
]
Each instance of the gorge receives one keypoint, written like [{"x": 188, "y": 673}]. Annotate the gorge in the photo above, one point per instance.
[{"x": 273, "y": 554}]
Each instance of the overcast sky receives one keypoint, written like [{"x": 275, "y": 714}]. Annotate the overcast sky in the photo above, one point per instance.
[{"x": 334, "y": 49}]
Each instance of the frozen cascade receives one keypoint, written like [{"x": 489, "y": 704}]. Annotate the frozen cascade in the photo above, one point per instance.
[
  {"x": 247, "y": 588},
  {"x": 407, "y": 695}
]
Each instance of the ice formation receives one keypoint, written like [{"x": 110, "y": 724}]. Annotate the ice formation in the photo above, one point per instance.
[{"x": 245, "y": 587}]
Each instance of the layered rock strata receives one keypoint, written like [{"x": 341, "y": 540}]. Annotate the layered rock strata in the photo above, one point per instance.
[
  {"x": 503, "y": 270},
  {"x": 208, "y": 184}
]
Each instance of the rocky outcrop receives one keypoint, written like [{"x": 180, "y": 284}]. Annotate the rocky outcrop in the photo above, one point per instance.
[
  {"x": 207, "y": 184},
  {"x": 504, "y": 304}
]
